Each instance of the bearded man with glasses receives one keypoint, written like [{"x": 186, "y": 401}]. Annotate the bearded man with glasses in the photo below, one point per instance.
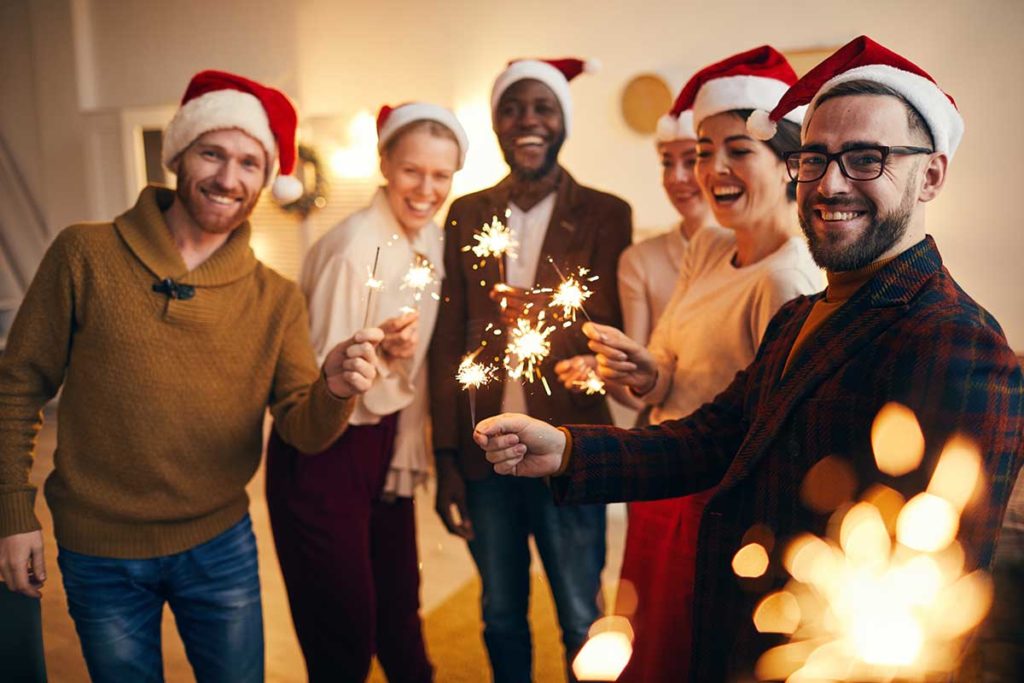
[{"x": 892, "y": 326}]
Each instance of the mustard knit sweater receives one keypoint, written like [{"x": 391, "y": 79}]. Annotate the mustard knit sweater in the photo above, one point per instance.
[{"x": 160, "y": 421}]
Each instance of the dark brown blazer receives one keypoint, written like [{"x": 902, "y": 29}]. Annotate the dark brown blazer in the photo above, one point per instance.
[{"x": 588, "y": 228}]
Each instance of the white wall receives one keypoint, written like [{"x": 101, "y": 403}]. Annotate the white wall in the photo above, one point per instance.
[{"x": 337, "y": 58}]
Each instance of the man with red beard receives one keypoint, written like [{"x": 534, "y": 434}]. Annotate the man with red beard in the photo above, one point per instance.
[
  {"x": 169, "y": 340},
  {"x": 551, "y": 216},
  {"x": 892, "y": 326}
]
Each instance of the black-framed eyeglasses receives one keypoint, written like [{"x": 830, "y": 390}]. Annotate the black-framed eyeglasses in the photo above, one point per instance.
[{"x": 856, "y": 163}]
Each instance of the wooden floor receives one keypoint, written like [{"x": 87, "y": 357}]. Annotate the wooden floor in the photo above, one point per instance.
[{"x": 445, "y": 563}]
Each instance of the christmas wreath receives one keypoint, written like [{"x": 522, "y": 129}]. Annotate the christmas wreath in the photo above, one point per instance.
[{"x": 310, "y": 172}]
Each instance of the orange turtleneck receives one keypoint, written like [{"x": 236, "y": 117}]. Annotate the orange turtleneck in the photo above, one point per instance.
[{"x": 841, "y": 286}]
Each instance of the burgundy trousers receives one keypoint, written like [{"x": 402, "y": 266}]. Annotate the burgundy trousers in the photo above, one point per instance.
[{"x": 348, "y": 559}]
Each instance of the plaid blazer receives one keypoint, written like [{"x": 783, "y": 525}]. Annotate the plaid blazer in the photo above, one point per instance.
[
  {"x": 909, "y": 335},
  {"x": 588, "y": 228}
]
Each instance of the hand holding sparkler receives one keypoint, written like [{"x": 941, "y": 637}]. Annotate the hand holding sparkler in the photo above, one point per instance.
[
  {"x": 579, "y": 374},
  {"x": 620, "y": 359},
  {"x": 400, "y": 335},
  {"x": 520, "y": 445},
  {"x": 351, "y": 366}
]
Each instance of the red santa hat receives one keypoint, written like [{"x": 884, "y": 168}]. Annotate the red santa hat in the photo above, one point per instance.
[
  {"x": 864, "y": 59},
  {"x": 217, "y": 100},
  {"x": 554, "y": 73},
  {"x": 754, "y": 79},
  {"x": 391, "y": 119}
]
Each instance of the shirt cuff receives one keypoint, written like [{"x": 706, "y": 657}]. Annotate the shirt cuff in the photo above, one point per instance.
[{"x": 566, "y": 453}]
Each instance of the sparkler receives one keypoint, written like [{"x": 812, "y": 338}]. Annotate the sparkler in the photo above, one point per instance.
[
  {"x": 571, "y": 294},
  {"x": 885, "y": 595},
  {"x": 495, "y": 240},
  {"x": 472, "y": 375},
  {"x": 591, "y": 384},
  {"x": 419, "y": 276},
  {"x": 528, "y": 346},
  {"x": 372, "y": 285}
]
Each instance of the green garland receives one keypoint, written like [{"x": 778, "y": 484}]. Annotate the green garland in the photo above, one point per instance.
[{"x": 312, "y": 198}]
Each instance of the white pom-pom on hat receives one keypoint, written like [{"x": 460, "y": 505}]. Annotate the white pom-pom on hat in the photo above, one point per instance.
[
  {"x": 287, "y": 188},
  {"x": 761, "y": 126},
  {"x": 592, "y": 65}
]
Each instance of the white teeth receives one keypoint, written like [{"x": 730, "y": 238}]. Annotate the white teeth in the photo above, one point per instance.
[
  {"x": 839, "y": 215},
  {"x": 726, "y": 190},
  {"x": 419, "y": 206},
  {"x": 529, "y": 140},
  {"x": 220, "y": 199}
]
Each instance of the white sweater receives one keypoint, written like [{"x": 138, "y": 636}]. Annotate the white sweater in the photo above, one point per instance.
[
  {"x": 334, "y": 275},
  {"x": 717, "y": 315},
  {"x": 647, "y": 275}
]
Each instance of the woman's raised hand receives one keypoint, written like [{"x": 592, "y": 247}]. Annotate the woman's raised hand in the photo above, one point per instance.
[{"x": 620, "y": 359}]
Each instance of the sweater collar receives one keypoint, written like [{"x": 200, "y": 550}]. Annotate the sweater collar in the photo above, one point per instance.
[{"x": 145, "y": 231}]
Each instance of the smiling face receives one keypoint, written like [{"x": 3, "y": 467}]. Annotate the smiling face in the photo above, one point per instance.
[
  {"x": 742, "y": 178},
  {"x": 848, "y": 223},
  {"x": 530, "y": 128},
  {"x": 418, "y": 166},
  {"x": 220, "y": 176},
  {"x": 678, "y": 177}
]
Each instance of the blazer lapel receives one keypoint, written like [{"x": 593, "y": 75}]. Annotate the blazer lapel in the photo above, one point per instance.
[{"x": 871, "y": 310}]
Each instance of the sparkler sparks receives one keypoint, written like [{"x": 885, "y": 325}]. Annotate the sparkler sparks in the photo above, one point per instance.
[
  {"x": 591, "y": 384},
  {"x": 494, "y": 240},
  {"x": 573, "y": 291},
  {"x": 527, "y": 348},
  {"x": 419, "y": 276},
  {"x": 472, "y": 375}
]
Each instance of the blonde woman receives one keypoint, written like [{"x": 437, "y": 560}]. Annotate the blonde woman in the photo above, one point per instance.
[{"x": 343, "y": 519}]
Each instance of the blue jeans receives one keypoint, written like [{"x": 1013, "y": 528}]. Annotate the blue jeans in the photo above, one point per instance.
[
  {"x": 213, "y": 590},
  {"x": 505, "y": 511}
]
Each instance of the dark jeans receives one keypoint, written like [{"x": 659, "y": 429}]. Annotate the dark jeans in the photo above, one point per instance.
[
  {"x": 213, "y": 590},
  {"x": 348, "y": 558},
  {"x": 505, "y": 511}
]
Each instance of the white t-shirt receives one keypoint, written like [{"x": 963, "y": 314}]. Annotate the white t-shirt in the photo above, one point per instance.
[
  {"x": 717, "y": 315},
  {"x": 528, "y": 229}
]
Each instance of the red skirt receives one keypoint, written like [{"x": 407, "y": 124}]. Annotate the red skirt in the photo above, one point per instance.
[{"x": 659, "y": 564}]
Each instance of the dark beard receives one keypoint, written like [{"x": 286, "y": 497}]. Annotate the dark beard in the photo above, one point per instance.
[
  {"x": 876, "y": 240},
  {"x": 185, "y": 189},
  {"x": 550, "y": 161}
]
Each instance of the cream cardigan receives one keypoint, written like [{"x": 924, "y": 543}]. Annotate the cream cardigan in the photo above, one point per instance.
[{"x": 333, "y": 278}]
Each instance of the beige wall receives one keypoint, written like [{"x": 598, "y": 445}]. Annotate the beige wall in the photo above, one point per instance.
[{"x": 337, "y": 58}]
